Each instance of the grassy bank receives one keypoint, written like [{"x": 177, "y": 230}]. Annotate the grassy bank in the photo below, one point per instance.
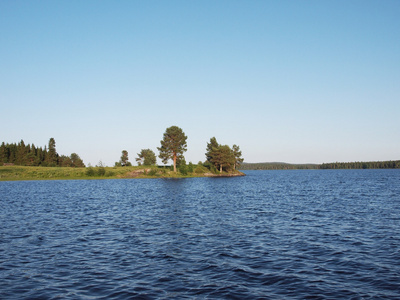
[{"x": 10, "y": 173}]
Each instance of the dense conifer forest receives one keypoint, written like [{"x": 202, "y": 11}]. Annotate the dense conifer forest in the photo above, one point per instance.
[{"x": 29, "y": 155}]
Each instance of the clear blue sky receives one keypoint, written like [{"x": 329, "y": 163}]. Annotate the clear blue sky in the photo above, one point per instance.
[{"x": 291, "y": 81}]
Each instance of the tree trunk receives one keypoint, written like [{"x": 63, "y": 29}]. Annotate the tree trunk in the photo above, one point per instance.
[
  {"x": 175, "y": 162},
  {"x": 220, "y": 168}
]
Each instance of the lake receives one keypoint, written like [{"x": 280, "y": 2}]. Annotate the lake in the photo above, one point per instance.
[{"x": 301, "y": 234}]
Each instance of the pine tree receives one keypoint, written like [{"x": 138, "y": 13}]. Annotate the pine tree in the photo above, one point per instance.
[
  {"x": 124, "y": 161},
  {"x": 223, "y": 157},
  {"x": 173, "y": 145},
  {"x": 237, "y": 153},
  {"x": 213, "y": 144}
]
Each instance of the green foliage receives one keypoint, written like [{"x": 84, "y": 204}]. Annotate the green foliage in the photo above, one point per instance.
[
  {"x": 183, "y": 168},
  {"x": 200, "y": 169},
  {"x": 65, "y": 161},
  {"x": 90, "y": 171},
  {"x": 190, "y": 167},
  {"x": 30, "y": 155},
  {"x": 181, "y": 161},
  {"x": 38, "y": 172},
  {"x": 210, "y": 166},
  {"x": 146, "y": 157},
  {"x": 100, "y": 169},
  {"x": 153, "y": 172},
  {"x": 221, "y": 156},
  {"x": 21, "y": 154},
  {"x": 173, "y": 145},
  {"x": 51, "y": 158},
  {"x": 110, "y": 174},
  {"x": 124, "y": 161},
  {"x": 3, "y": 153},
  {"x": 363, "y": 165},
  {"x": 238, "y": 156},
  {"x": 213, "y": 144},
  {"x": 337, "y": 165},
  {"x": 71, "y": 161}
]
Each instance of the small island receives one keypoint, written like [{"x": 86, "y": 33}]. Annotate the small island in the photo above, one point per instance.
[{"x": 27, "y": 162}]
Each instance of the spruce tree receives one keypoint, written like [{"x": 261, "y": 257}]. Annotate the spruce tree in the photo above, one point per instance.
[
  {"x": 51, "y": 156},
  {"x": 3, "y": 153}
]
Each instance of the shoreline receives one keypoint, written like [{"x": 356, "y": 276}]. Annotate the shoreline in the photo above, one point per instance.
[{"x": 28, "y": 173}]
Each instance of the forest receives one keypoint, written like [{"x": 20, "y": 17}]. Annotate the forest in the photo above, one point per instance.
[
  {"x": 30, "y": 155},
  {"x": 220, "y": 158}
]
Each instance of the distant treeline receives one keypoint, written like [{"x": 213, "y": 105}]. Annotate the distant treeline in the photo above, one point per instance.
[
  {"x": 277, "y": 166},
  {"x": 395, "y": 164},
  {"x": 337, "y": 165},
  {"x": 30, "y": 155}
]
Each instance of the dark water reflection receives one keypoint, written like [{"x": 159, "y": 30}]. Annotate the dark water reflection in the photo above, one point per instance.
[{"x": 269, "y": 235}]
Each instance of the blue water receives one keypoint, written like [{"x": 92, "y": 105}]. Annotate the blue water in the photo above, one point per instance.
[{"x": 307, "y": 234}]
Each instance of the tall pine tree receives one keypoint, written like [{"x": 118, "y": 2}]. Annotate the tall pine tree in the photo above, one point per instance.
[{"x": 173, "y": 145}]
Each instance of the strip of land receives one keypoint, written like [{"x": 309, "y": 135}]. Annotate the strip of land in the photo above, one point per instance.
[{"x": 13, "y": 173}]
